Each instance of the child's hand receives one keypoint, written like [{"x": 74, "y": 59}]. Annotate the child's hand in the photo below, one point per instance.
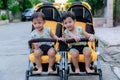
[
  {"x": 36, "y": 45},
  {"x": 77, "y": 39},
  {"x": 91, "y": 38},
  {"x": 61, "y": 39}
]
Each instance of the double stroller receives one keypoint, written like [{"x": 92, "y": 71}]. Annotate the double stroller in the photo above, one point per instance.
[{"x": 63, "y": 67}]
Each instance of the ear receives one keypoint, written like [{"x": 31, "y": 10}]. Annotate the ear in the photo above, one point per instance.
[
  {"x": 32, "y": 24},
  {"x": 44, "y": 21},
  {"x": 75, "y": 20}
]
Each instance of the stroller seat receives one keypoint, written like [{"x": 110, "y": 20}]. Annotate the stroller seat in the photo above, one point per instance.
[
  {"x": 53, "y": 21},
  {"x": 81, "y": 56},
  {"x": 84, "y": 20},
  {"x": 44, "y": 58}
]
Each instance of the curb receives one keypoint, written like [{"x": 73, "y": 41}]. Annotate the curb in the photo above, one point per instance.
[
  {"x": 106, "y": 44},
  {"x": 16, "y": 21},
  {"x": 2, "y": 22}
]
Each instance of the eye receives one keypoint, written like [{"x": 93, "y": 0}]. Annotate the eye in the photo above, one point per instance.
[
  {"x": 65, "y": 22},
  {"x": 39, "y": 22},
  {"x": 70, "y": 21},
  {"x": 34, "y": 23}
]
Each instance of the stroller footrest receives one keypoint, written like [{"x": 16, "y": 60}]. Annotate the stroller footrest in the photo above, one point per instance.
[
  {"x": 44, "y": 74},
  {"x": 83, "y": 74}
]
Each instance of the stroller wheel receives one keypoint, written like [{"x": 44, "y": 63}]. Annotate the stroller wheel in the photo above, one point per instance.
[
  {"x": 61, "y": 75},
  {"x": 27, "y": 75},
  {"x": 65, "y": 75},
  {"x": 31, "y": 70},
  {"x": 95, "y": 68},
  {"x": 57, "y": 70},
  {"x": 100, "y": 74}
]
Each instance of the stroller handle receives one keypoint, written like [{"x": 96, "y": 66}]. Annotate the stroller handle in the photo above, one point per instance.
[
  {"x": 42, "y": 40},
  {"x": 55, "y": 40},
  {"x": 73, "y": 40}
]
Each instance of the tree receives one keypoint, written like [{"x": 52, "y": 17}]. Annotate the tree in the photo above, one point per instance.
[
  {"x": 5, "y": 4},
  {"x": 26, "y": 4},
  {"x": 116, "y": 12},
  {"x": 73, "y": 0},
  {"x": 13, "y": 6},
  {"x": 96, "y": 5},
  {"x": 1, "y": 4}
]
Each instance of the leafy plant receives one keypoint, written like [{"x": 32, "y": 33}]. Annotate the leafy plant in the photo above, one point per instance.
[
  {"x": 26, "y": 4},
  {"x": 4, "y": 16},
  {"x": 96, "y": 5},
  {"x": 14, "y": 8},
  {"x": 1, "y": 4}
]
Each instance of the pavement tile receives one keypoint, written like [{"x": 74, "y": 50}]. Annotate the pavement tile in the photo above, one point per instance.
[
  {"x": 110, "y": 47},
  {"x": 117, "y": 71},
  {"x": 108, "y": 35}
]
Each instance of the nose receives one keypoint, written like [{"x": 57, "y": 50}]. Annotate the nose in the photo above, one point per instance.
[
  {"x": 68, "y": 24},
  {"x": 37, "y": 25}
]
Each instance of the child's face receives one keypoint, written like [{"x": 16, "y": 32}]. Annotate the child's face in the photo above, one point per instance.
[
  {"x": 38, "y": 23},
  {"x": 69, "y": 23}
]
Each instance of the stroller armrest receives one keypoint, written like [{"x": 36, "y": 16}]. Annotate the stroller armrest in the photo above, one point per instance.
[
  {"x": 81, "y": 40},
  {"x": 42, "y": 40},
  {"x": 73, "y": 40}
]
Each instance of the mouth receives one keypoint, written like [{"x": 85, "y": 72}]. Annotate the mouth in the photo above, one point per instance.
[
  {"x": 69, "y": 27},
  {"x": 40, "y": 28}
]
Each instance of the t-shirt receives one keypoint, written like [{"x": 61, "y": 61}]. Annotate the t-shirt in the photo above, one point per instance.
[
  {"x": 45, "y": 34},
  {"x": 78, "y": 33}
]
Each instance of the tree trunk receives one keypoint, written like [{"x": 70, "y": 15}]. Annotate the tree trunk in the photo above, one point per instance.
[{"x": 117, "y": 12}]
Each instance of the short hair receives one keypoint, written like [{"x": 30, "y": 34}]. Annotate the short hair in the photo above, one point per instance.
[
  {"x": 38, "y": 14},
  {"x": 68, "y": 14}
]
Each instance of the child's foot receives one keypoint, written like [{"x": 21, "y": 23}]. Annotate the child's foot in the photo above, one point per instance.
[
  {"x": 39, "y": 71},
  {"x": 90, "y": 71},
  {"x": 50, "y": 70},
  {"x": 77, "y": 71}
]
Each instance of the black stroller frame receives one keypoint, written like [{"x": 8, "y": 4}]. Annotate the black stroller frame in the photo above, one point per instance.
[
  {"x": 59, "y": 67},
  {"x": 63, "y": 66},
  {"x": 66, "y": 64},
  {"x": 86, "y": 17}
]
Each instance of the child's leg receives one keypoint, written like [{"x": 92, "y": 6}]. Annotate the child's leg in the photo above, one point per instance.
[
  {"x": 75, "y": 58},
  {"x": 51, "y": 54},
  {"x": 88, "y": 59},
  {"x": 37, "y": 54}
]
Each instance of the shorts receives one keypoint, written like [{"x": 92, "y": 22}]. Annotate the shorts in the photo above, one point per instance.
[
  {"x": 78, "y": 48},
  {"x": 45, "y": 48}
]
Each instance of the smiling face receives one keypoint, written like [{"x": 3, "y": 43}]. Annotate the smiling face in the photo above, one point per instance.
[
  {"x": 69, "y": 23},
  {"x": 38, "y": 23}
]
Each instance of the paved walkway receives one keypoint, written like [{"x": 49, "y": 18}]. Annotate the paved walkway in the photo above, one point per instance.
[
  {"x": 109, "y": 35},
  {"x": 110, "y": 48}
]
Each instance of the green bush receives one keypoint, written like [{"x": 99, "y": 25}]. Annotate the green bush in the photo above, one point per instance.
[{"x": 4, "y": 16}]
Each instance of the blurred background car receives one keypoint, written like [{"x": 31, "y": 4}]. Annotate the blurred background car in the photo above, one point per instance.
[{"x": 26, "y": 15}]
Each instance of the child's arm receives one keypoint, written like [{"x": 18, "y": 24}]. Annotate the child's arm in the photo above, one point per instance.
[
  {"x": 67, "y": 37},
  {"x": 73, "y": 37},
  {"x": 89, "y": 36},
  {"x": 36, "y": 45},
  {"x": 55, "y": 37}
]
